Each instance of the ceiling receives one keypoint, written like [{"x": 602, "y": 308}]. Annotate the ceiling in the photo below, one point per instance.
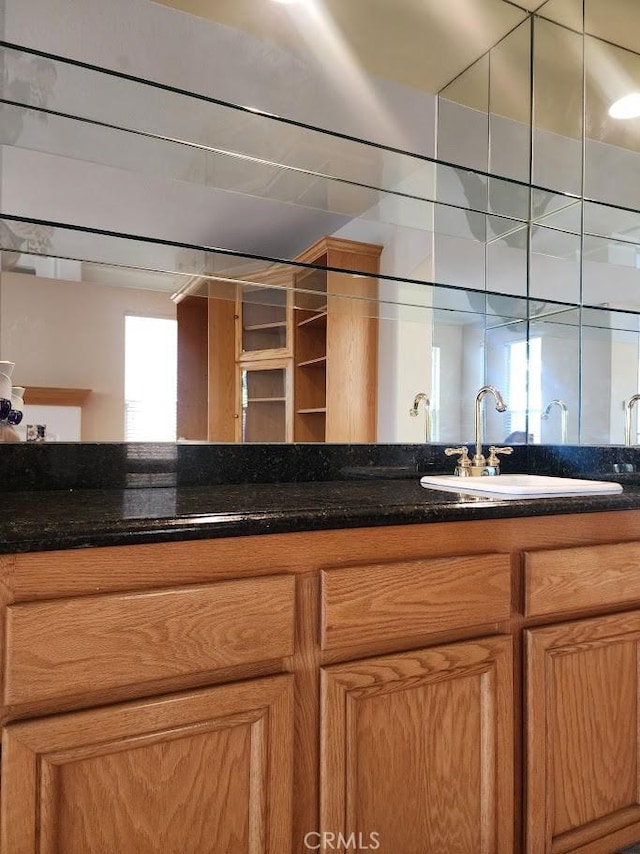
[
  {"x": 430, "y": 44},
  {"x": 420, "y": 43}
]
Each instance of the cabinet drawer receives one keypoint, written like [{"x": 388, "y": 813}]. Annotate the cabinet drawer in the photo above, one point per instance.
[
  {"x": 559, "y": 580},
  {"x": 382, "y": 602},
  {"x": 70, "y": 646}
]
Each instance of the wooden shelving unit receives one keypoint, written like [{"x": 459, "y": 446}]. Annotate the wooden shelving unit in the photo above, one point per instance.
[
  {"x": 336, "y": 344},
  {"x": 50, "y": 396},
  {"x": 289, "y": 358}
]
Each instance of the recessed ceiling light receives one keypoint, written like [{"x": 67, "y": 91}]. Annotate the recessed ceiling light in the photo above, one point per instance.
[{"x": 626, "y": 108}]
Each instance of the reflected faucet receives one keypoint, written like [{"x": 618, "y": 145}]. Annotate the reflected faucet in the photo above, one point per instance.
[
  {"x": 627, "y": 417},
  {"x": 564, "y": 412},
  {"x": 421, "y": 396},
  {"x": 479, "y": 463}
]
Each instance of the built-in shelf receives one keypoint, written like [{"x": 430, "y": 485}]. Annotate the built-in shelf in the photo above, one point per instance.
[
  {"x": 266, "y": 399},
  {"x": 319, "y": 319},
  {"x": 256, "y": 327},
  {"x": 320, "y": 362},
  {"x": 51, "y": 396},
  {"x": 318, "y": 411}
]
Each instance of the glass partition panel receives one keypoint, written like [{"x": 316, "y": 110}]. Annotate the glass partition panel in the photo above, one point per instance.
[
  {"x": 612, "y": 144},
  {"x": 611, "y": 276},
  {"x": 160, "y": 187},
  {"x": 510, "y": 105},
  {"x": 463, "y": 118},
  {"x": 554, "y": 370},
  {"x": 610, "y": 374},
  {"x": 568, "y": 13},
  {"x": 557, "y": 107},
  {"x": 506, "y": 369},
  {"x": 555, "y": 264}
]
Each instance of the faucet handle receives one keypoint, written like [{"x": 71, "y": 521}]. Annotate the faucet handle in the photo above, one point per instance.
[
  {"x": 493, "y": 454},
  {"x": 463, "y": 467},
  {"x": 463, "y": 451}
]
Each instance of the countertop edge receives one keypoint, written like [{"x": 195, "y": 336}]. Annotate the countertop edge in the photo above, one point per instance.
[{"x": 20, "y": 536}]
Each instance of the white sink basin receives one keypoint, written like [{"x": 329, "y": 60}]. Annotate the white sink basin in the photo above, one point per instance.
[{"x": 519, "y": 485}]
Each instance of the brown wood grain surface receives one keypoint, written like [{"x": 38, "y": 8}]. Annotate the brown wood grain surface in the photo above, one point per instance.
[
  {"x": 582, "y": 732},
  {"x": 208, "y": 772},
  {"x": 394, "y": 600},
  {"x": 558, "y": 580},
  {"x": 418, "y": 748},
  {"x": 411, "y": 731},
  {"x": 67, "y": 647}
]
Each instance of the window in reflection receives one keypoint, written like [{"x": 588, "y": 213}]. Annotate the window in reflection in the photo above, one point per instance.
[
  {"x": 524, "y": 390},
  {"x": 150, "y": 382}
]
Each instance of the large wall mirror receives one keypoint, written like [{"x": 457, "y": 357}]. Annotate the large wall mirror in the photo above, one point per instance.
[{"x": 251, "y": 220}]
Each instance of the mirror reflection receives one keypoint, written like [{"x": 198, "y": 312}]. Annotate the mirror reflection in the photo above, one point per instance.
[{"x": 366, "y": 272}]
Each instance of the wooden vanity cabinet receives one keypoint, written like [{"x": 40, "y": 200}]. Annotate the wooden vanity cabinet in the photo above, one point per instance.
[
  {"x": 204, "y": 771},
  {"x": 459, "y": 688},
  {"x": 583, "y": 699},
  {"x": 417, "y": 749},
  {"x": 583, "y": 779},
  {"x": 184, "y": 770}
]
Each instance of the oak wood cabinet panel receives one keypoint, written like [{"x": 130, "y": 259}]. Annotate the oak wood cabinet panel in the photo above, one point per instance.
[
  {"x": 418, "y": 749},
  {"x": 583, "y": 774},
  {"x": 221, "y": 371},
  {"x": 393, "y": 600},
  {"x": 69, "y": 646},
  {"x": 207, "y": 772},
  {"x": 193, "y": 357},
  {"x": 558, "y": 580}
]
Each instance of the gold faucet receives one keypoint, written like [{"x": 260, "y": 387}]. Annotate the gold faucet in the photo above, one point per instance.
[
  {"x": 421, "y": 396},
  {"x": 563, "y": 416},
  {"x": 627, "y": 417},
  {"x": 463, "y": 468},
  {"x": 479, "y": 465}
]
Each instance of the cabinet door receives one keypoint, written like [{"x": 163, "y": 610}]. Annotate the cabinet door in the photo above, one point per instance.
[
  {"x": 208, "y": 772},
  {"x": 582, "y": 735},
  {"x": 417, "y": 751},
  {"x": 264, "y": 322},
  {"x": 265, "y": 402}
]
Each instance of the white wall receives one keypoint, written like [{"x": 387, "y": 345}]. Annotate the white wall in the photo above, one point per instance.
[
  {"x": 71, "y": 335},
  {"x": 450, "y": 339},
  {"x": 61, "y": 423}
]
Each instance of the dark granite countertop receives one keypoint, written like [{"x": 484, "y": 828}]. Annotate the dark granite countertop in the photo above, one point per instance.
[{"x": 59, "y": 519}]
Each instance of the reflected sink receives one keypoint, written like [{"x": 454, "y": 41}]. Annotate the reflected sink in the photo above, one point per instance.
[{"x": 519, "y": 485}]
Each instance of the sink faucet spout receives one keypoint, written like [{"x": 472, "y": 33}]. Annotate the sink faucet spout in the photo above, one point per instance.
[
  {"x": 479, "y": 459},
  {"x": 421, "y": 396},
  {"x": 628, "y": 407},
  {"x": 564, "y": 412}
]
